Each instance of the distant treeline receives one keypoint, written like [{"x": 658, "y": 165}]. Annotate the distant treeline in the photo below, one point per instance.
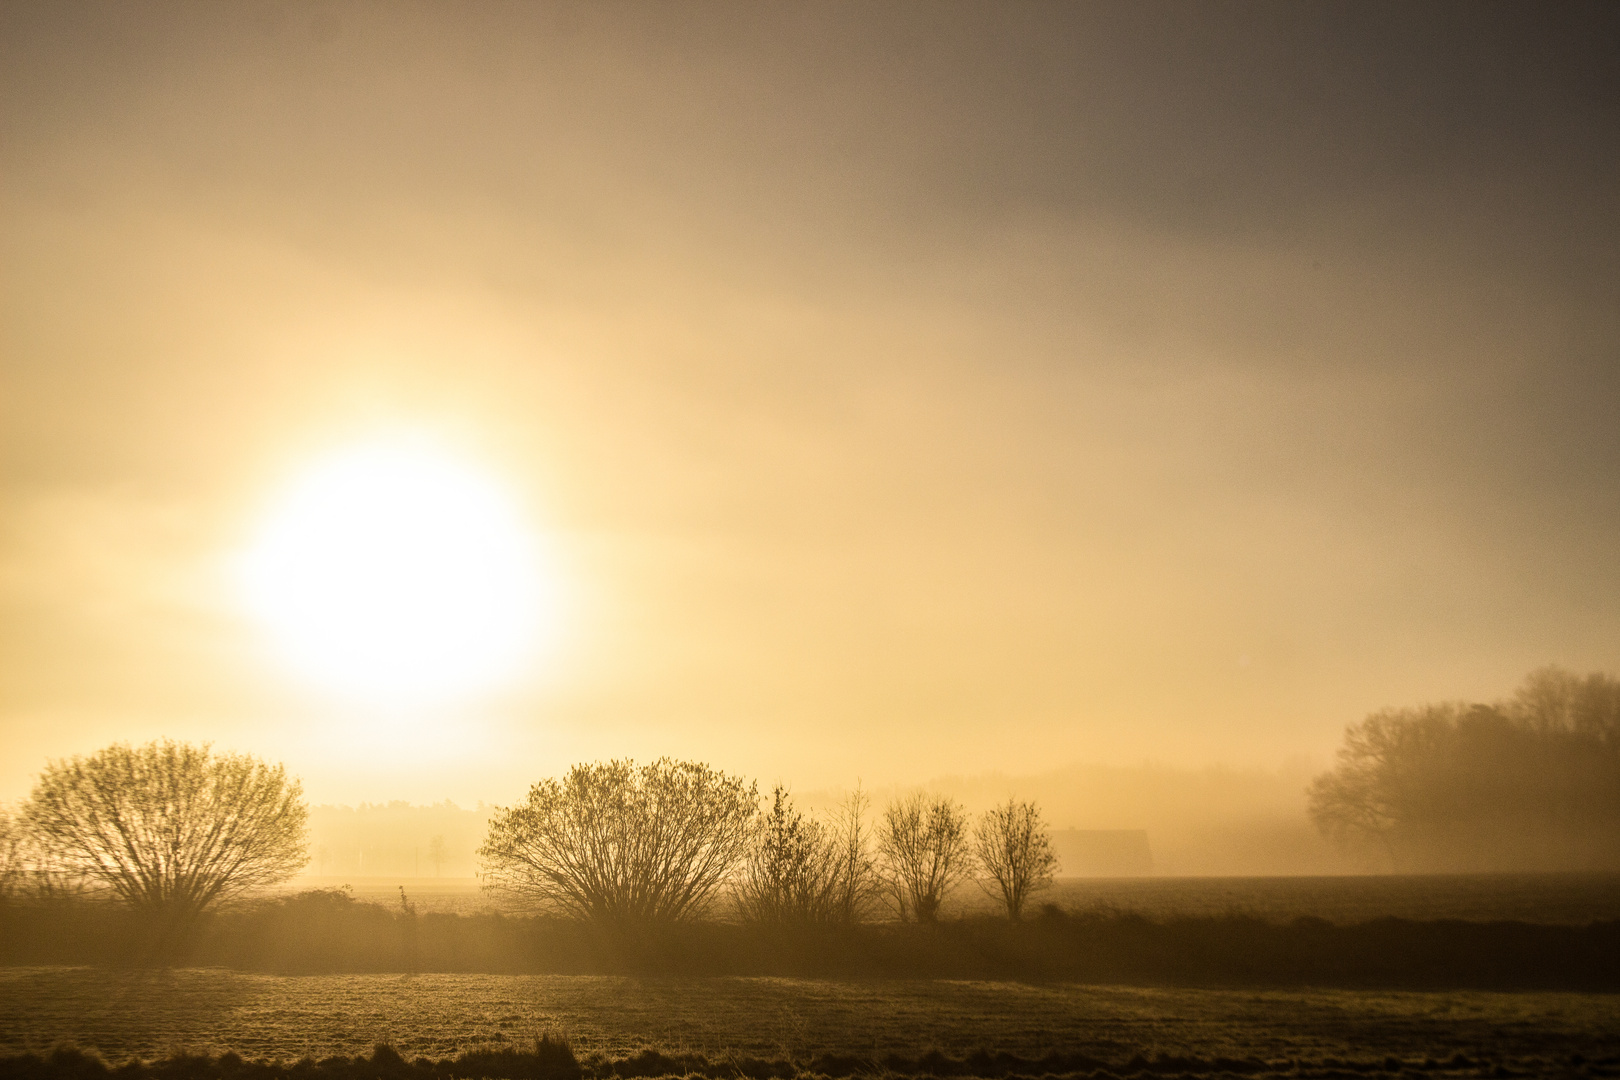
[
  {"x": 327, "y": 931},
  {"x": 1529, "y": 783}
]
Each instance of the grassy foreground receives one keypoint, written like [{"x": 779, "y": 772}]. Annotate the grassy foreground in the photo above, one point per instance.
[
  {"x": 152, "y": 1015},
  {"x": 551, "y": 1059}
]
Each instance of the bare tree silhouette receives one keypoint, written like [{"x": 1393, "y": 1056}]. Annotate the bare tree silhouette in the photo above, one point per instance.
[
  {"x": 1014, "y": 854},
  {"x": 790, "y": 872},
  {"x": 616, "y": 843},
  {"x": 858, "y": 885},
  {"x": 800, "y": 871},
  {"x": 169, "y": 828},
  {"x": 923, "y": 848}
]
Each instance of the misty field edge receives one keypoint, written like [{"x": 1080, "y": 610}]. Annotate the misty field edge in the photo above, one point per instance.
[{"x": 1107, "y": 947}]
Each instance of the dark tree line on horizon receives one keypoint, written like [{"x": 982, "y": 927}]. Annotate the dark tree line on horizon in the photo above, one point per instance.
[
  {"x": 172, "y": 831},
  {"x": 1529, "y": 783}
]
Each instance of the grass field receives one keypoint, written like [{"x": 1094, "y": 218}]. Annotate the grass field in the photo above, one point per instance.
[
  {"x": 1571, "y": 899},
  {"x": 1288, "y": 1020},
  {"x": 150, "y": 1014}
]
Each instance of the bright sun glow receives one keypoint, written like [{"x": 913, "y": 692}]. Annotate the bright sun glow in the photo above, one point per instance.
[{"x": 396, "y": 574}]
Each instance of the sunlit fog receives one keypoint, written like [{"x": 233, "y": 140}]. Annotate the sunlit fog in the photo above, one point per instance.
[
  {"x": 395, "y": 573},
  {"x": 1107, "y": 405},
  {"x": 809, "y": 539}
]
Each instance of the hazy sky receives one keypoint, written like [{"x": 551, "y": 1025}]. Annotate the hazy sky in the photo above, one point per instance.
[{"x": 896, "y": 390}]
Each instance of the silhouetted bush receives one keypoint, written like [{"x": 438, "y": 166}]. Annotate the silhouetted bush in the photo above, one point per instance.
[
  {"x": 923, "y": 851},
  {"x": 801, "y": 871},
  {"x": 168, "y": 828},
  {"x": 613, "y": 843},
  {"x": 1013, "y": 854}
]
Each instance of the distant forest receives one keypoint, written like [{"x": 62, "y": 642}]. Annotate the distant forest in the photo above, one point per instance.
[{"x": 1528, "y": 783}]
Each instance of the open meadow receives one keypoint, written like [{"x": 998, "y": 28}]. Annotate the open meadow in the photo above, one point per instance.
[
  {"x": 156, "y": 1013},
  {"x": 1171, "y": 975}
]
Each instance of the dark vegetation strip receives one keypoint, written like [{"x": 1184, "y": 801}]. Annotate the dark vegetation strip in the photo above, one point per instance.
[
  {"x": 327, "y": 932},
  {"x": 553, "y": 1059}
]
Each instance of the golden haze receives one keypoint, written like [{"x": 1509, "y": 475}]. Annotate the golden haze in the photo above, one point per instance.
[{"x": 872, "y": 419}]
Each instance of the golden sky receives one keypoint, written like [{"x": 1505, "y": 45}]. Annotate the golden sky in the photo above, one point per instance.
[{"x": 891, "y": 390}]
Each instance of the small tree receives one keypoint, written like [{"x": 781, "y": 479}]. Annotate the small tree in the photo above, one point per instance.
[
  {"x": 789, "y": 875},
  {"x": 616, "y": 843},
  {"x": 856, "y": 884},
  {"x": 169, "y": 828},
  {"x": 800, "y": 870},
  {"x": 923, "y": 847},
  {"x": 1014, "y": 854}
]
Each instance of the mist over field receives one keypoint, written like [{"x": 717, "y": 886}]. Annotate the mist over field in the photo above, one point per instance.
[
  {"x": 563, "y": 540},
  {"x": 1215, "y": 821}
]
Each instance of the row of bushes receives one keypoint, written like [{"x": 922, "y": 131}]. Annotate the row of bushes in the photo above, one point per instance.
[
  {"x": 327, "y": 931},
  {"x": 177, "y": 830}
]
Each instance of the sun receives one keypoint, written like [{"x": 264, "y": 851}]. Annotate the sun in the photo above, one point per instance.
[{"x": 395, "y": 573}]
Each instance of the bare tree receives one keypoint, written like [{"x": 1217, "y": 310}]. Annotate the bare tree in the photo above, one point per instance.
[
  {"x": 789, "y": 875},
  {"x": 856, "y": 885},
  {"x": 616, "y": 843},
  {"x": 168, "y": 827},
  {"x": 923, "y": 846},
  {"x": 1362, "y": 800},
  {"x": 1014, "y": 854},
  {"x": 800, "y": 870}
]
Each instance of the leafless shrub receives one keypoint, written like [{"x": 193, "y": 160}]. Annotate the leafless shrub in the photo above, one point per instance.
[
  {"x": 800, "y": 871},
  {"x": 616, "y": 843},
  {"x": 857, "y": 884},
  {"x": 1014, "y": 854},
  {"x": 166, "y": 827},
  {"x": 923, "y": 850},
  {"x": 789, "y": 873}
]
